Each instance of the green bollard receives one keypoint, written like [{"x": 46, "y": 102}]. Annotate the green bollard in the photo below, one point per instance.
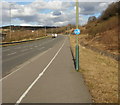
[{"x": 77, "y": 58}]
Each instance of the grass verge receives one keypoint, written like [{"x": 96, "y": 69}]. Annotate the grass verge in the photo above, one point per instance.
[{"x": 100, "y": 74}]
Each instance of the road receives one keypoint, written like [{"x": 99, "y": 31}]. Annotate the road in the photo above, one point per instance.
[
  {"x": 13, "y": 56},
  {"x": 48, "y": 76}
]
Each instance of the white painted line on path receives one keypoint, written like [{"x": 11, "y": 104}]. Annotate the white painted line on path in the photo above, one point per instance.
[{"x": 39, "y": 76}]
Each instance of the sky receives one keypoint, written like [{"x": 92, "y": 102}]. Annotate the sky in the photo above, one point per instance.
[{"x": 49, "y": 12}]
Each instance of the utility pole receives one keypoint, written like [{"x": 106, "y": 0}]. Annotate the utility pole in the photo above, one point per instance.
[
  {"x": 77, "y": 45},
  {"x": 52, "y": 30},
  {"x": 37, "y": 32},
  {"x": 45, "y": 31},
  {"x": 56, "y": 29},
  {"x": 10, "y": 22}
]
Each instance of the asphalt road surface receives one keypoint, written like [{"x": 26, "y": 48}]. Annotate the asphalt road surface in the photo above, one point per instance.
[
  {"x": 13, "y": 56},
  {"x": 46, "y": 76}
]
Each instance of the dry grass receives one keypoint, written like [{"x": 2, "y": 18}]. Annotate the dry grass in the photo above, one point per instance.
[
  {"x": 100, "y": 74},
  {"x": 99, "y": 27},
  {"x": 18, "y": 35}
]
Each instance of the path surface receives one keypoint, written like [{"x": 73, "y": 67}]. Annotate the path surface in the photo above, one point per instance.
[{"x": 49, "y": 77}]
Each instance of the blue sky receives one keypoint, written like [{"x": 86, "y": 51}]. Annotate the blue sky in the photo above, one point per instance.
[{"x": 48, "y": 12}]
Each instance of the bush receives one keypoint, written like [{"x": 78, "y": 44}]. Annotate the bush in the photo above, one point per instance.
[{"x": 112, "y": 10}]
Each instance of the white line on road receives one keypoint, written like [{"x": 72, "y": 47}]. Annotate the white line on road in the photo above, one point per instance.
[
  {"x": 6, "y": 50},
  {"x": 18, "y": 48},
  {"x": 12, "y": 53},
  {"x": 39, "y": 76},
  {"x": 41, "y": 48},
  {"x": 23, "y": 65},
  {"x": 24, "y": 50}
]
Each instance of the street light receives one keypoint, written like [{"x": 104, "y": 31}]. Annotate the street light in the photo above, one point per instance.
[
  {"x": 10, "y": 22},
  {"x": 11, "y": 5},
  {"x": 45, "y": 31}
]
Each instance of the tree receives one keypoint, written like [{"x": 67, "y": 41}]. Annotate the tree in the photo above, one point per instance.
[{"x": 91, "y": 19}]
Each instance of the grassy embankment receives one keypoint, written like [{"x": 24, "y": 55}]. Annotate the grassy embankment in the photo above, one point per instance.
[
  {"x": 103, "y": 35},
  {"x": 100, "y": 72},
  {"x": 103, "y": 32}
]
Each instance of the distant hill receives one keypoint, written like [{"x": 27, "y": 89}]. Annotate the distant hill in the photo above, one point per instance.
[{"x": 27, "y": 27}]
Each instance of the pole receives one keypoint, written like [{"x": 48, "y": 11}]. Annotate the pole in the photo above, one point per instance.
[
  {"x": 10, "y": 22},
  {"x": 45, "y": 30},
  {"x": 37, "y": 32},
  {"x": 77, "y": 45}
]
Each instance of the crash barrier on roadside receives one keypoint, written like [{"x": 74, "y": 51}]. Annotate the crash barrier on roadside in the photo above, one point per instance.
[{"x": 105, "y": 53}]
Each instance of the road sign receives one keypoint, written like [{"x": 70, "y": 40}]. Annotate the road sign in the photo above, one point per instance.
[{"x": 77, "y": 31}]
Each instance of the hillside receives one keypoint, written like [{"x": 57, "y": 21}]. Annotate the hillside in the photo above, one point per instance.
[
  {"x": 100, "y": 72},
  {"x": 103, "y": 32}
]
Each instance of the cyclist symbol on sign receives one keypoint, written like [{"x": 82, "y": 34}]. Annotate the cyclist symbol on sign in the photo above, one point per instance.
[{"x": 77, "y": 31}]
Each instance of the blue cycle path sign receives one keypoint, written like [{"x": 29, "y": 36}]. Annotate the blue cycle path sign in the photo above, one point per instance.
[{"x": 77, "y": 31}]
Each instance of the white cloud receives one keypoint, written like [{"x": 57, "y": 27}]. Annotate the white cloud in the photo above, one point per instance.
[
  {"x": 46, "y": 5},
  {"x": 23, "y": 11},
  {"x": 25, "y": 24},
  {"x": 64, "y": 0},
  {"x": 62, "y": 13}
]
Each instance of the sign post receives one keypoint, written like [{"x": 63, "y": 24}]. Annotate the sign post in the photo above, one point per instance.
[{"x": 77, "y": 32}]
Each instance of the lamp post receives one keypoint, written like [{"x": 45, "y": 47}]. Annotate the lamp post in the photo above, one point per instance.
[
  {"x": 77, "y": 45},
  {"x": 11, "y": 5},
  {"x": 10, "y": 22},
  {"x": 45, "y": 31}
]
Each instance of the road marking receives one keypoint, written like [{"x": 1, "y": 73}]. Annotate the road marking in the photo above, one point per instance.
[
  {"x": 12, "y": 53},
  {"x": 41, "y": 48},
  {"x": 6, "y": 50},
  {"x": 39, "y": 76},
  {"x": 18, "y": 48},
  {"x": 24, "y": 50},
  {"x": 24, "y": 64}
]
